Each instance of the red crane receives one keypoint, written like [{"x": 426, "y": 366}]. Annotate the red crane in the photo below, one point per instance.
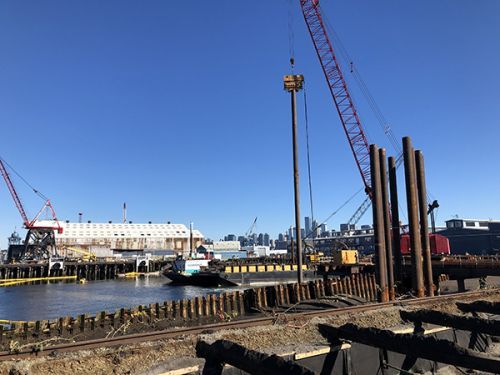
[
  {"x": 338, "y": 88},
  {"x": 40, "y": 240}
]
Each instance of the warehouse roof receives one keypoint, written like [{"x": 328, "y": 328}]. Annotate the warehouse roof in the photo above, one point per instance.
[{"x": 130, "y": 230}]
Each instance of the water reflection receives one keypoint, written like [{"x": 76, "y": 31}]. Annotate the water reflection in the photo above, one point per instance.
[{"x": 49, "y": 301}]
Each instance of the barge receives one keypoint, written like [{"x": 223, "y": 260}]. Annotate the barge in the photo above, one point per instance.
[{"x": 200, "y": 272}]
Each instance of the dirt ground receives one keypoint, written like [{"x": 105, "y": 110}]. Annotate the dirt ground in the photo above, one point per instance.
[{"x": 149, "y": 357}]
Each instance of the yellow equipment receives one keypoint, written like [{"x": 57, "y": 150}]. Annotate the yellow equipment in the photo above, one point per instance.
[
  {"x": 87, "y": 256},
  {"x": 343, "y": 257},
  {"x": 316, "y": 257}
]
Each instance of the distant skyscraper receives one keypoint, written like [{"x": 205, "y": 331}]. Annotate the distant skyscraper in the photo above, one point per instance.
[
  {"x": 230, "y": 237},
  {"x": 323, "y": 228},
  {"x": 243, "y": 240},
  {"x": 307, "y": 226},
  {"x": 260, "y": 239},
  {"x": 266, "y": 239},
  {"x": 302, "y": 233},
  {"x": 281, "y": 237},
  {"x": 314, "y": 229}
]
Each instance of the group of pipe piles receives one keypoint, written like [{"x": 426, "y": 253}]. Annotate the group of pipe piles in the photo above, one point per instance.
[{"x": 386, "y": 221}]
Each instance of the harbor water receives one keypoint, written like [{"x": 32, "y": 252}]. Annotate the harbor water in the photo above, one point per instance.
[{"x": 53, "y": 300}]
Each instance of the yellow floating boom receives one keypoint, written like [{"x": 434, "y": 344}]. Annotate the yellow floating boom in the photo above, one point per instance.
[
  {"x": 9, "y": 282},
  {"x": 133, "y": 274}
]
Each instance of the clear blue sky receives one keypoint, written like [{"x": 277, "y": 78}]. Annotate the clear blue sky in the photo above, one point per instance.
[{"x": 177, "y": 107}]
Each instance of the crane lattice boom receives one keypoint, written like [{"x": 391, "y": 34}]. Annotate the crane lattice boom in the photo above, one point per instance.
[
  {"x": 14, "y": 194},
  {"x": 338, "y": 88},
  {"x": 28, "y": 224}
]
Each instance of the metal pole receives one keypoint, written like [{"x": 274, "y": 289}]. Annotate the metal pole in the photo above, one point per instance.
[
  {"x": 387, "y": 222},
  {"x": 424, "y": 225},
  {"x": 378, "y": 224},
  {"x": 191, "y": 240},
  {"x": 411, "y": 198},
  {"x": 396, "y": 235},
  {"x": 433, "y": 222},
  {"x": 293, "y": 84}
]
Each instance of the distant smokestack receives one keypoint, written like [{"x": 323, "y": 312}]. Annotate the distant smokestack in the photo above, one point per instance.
[
  {"x": 191, "y": 239},
  {"x": 80, "y": 217},
  {"x": 124, "y": 213}
]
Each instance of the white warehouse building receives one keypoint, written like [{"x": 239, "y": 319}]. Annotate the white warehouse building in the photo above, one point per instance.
[{"x": 125, "y": 236}]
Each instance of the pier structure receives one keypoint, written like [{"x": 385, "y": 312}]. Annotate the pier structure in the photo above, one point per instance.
[{"x": 98, "y": 270}]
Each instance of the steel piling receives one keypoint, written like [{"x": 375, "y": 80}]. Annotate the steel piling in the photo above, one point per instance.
[
  {"x": 414, "y": 230},
  {"x": 424, "y": 225},
  {"x": 378, "y": 224},
  {"x": 387, "y": 222},
  {"x": 396, "y": 239}
]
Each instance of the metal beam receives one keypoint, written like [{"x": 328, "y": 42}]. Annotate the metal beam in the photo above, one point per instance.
[
  {"x": 480, "y": 306},
  {"x": 430, "y": 348},
  {"x": 250, "y": 361},
  {"x": 465, "y": 323}
]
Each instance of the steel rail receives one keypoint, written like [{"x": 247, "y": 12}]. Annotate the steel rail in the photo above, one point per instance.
[{"x": 244, "y": 323}]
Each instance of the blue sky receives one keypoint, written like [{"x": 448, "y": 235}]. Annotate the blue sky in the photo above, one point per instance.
[{"x": 178, "y": 109}]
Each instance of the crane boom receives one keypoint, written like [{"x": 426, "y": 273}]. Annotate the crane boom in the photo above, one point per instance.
[
  {"x": 14, "y": 194},
  {"x": 338, "y": 89},
  {"x": 251, "y": 229}
]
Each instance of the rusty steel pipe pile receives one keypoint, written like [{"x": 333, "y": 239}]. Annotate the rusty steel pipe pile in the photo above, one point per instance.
[
  {"x": 424, "y": 225},
  {"x": 388, "y": 256},
  {"x": 387, "y": 223},
  {"x": 378, "y": 224},
  {"x": 413, "y": 224},
  {"x": 396, "y": 239}
]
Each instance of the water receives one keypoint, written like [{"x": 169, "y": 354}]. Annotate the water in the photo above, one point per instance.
[{"x": 49, "y": 301}]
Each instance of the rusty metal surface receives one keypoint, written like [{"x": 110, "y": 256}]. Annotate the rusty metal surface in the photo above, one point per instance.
[
  {"x": 396, "y": 235},
  {"x": 413, "y": 225},
  {"x": 387, "y": 223},
  {"x": 378, "y": 224},
  {"x": 424, "y": 224}
]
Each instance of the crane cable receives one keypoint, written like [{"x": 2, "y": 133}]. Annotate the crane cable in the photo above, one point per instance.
[
  {"x": 381, "y": 119},
  {"x": 291, "y": 35},
  {"x": 334, "y": 212},
  {"x": 308, "y": 155},
  {"x": 24, "y": 180}
]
